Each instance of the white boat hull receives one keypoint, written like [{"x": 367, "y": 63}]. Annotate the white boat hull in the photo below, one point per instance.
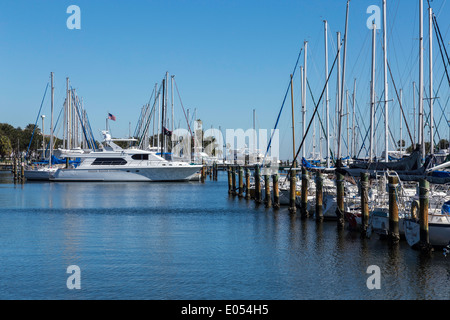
[
  {"x": 39, "y": 174},
  {"x": 438, "y": 232},
  {"x": 138, "y": 174},
  {"x": 379, "y": 222},
  {"x": 329, "y": 206}
]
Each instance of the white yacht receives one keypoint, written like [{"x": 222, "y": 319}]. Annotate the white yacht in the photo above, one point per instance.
[{"x": 113, "y": 163}]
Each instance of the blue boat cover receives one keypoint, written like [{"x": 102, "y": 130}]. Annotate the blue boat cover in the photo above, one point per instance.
[
  {"x": 446, "y": 208},
  {"x": 56, "y": 160},
  {"x": 441, "y": 174},
  {"x": 307, "y": 164}
]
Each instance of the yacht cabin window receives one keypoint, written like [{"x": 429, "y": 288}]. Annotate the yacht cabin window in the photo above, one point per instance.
[
  {"x": 140, "y": 156},
  {"x": 109, "y": 162}
]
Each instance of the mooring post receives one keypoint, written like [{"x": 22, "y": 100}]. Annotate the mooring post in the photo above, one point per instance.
[
  {"x": 22, "y": 169},
  {"x": 276, "y": 192},
  {"x": 203, "y": 172},
  {"x": 257, "y": 185},
  {"x": 215, "y": 171},
  {"x": 394, "y": 234},
  {"x": 233, "y": 180},
  {"x": 241, "y": 182},
  {"x": 268, "y": 197},
  {"x": 340, "y": 199},
  {"x": 364, "y": 203},
  {"x": 292, "y": 191},
  {"x": 67, "y": 163},
  {"x": 15, "y": 168},
  {"x": 304, "y": 195},
  {"x": 229, "y": 179},
  {"x": 424, "y": 243},
  {"x": 319, "y": 197},
  {"x": 247, "y": 183}
]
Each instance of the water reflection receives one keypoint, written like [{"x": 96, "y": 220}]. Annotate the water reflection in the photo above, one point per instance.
[{"x": 193, "y": 241}]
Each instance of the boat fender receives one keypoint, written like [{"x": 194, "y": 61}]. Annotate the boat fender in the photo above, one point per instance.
[{"x": 415, "y": 210}]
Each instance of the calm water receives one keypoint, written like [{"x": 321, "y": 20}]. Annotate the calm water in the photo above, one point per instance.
[{"x": 190, "y": 241}]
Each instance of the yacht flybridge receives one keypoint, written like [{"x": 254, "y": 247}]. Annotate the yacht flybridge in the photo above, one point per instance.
[{"x": 113, "y": 163}]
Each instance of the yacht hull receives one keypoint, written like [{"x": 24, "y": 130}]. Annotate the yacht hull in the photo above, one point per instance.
[
  {"x": 39, "y": 175},
  {"x": 138, "y": 174}
]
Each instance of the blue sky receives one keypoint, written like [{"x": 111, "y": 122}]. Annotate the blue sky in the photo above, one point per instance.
[{"x": 228, "y": 57}]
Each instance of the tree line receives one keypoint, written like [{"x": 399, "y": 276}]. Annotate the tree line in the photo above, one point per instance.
[{"x": 16, "y": 141}]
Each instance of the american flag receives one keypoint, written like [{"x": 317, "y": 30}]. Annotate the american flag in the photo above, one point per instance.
[{"x": 112, "y": 117}]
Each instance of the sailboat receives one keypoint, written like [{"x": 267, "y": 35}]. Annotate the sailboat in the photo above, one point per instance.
[{"x": 44, "y": 172}]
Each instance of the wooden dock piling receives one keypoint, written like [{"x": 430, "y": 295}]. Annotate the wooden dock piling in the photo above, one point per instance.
[
  {"x": 247, "y": 183},
  {"x": 340, "y": 199},
  {"x": 22, "y": 169},
  {"x": 257, "y": 185},
  {"x": 229, "y": 179},
  {"x": 233, "y": 180},
  {"x": 319, "y": 197},
  {"x": 364, "y": 203},
  {"x": 203, "y": 172},
  {"x": 424, "y": 243},
  {"x": 394, "y": 234},
  {"x": 268, "y": 197},
  {"x": 304, "y": 195},
  {"x": 241, "y": 182},
  {"x": 215, "y": 166},
  {"x": 292, "y": 192},
  {"x": 276, "y": 192},
  {"x": 15, "y": 168}
]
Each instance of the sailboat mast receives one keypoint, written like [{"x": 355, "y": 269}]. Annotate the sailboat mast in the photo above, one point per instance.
[
  {"x": 154, "y": 117},
  {"x": 158, "y": 139},
  {"x": 302, "y": 81},
  {"x": 414, "y": 114},
  {"x": 430, "y": 59},
  {"x": 51, "y": 122},
  {"x": 69, "y": 116},
  {"x": 353, "y": 120},
  {"x": 372, "y": 94},
  {"x": 342, "y": 85},
  {"x": 173, "y": 121},
  {"x": 293, "y": 121},
  {"x": 401, "y": 122},
  {"x": 304, "y": 95},
  {"x": 386, "y": 96},
  {"x": 338, "y": 98},
  {"x": 348, "y": 124},
  {"x": 166, "y": 104},
  {"x": 163, "y": 140},
  {"x": 66, "y": 116},
  {"x": 421, "y": 123},
  {"x": 43, "y": 137},
  {"x": 254, "y": 131},
  {"x": 326, "y": 94}
]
